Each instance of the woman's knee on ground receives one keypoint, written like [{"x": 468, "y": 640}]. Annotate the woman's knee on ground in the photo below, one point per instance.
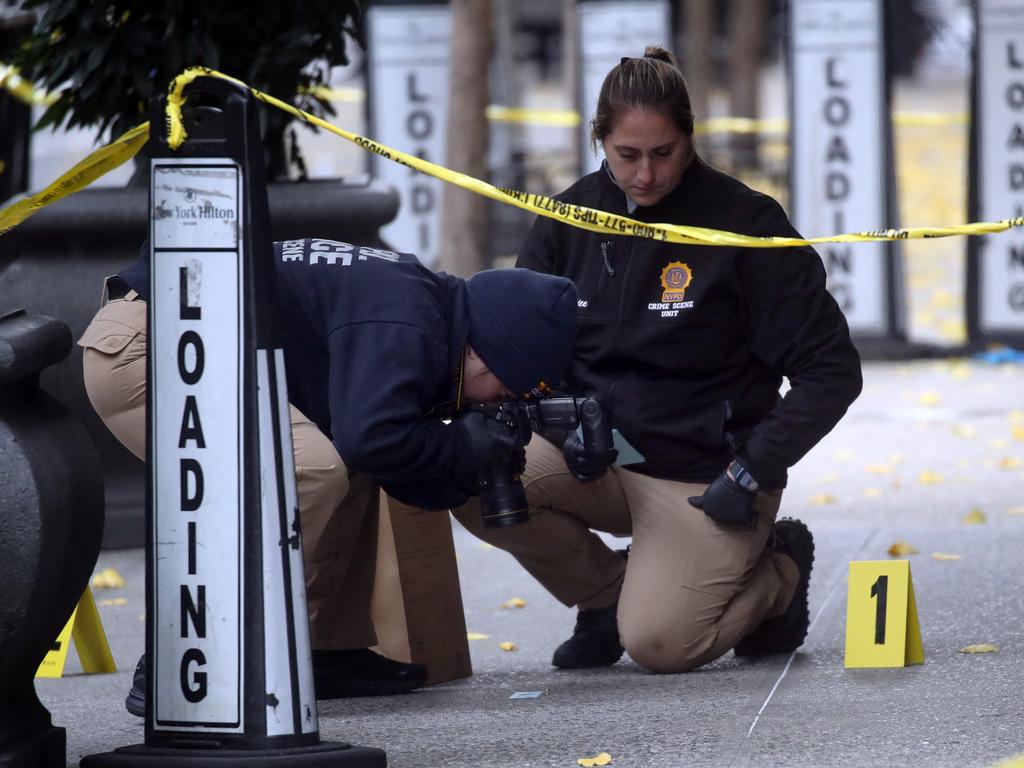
[{"x": 665, "y": 649}]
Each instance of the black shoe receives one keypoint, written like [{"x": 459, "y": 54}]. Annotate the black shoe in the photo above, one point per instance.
[
  {"x": 135, "y": 701},
  {"x": 594, "y": 641},
  {"x": 785, "y": 633},
  {"x": 361, "y": 672},
  {"x": 336, "y": 675}
]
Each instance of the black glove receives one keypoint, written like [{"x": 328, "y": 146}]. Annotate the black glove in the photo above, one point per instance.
[
  {"x": 726, "y": 501},
  {"x": 489, "y": 441},
  {"x": 586, "y": 467},
  {"x": 518, "y": 461}
]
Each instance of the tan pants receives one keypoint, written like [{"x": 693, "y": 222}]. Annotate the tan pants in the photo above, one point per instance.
[
  {"x": 338, "y": 510},
  {"x": 692, "y": 588}
]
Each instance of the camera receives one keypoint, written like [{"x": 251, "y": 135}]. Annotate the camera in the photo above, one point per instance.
[{"x": 502, "y": 498}]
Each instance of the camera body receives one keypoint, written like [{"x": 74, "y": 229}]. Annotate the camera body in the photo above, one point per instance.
[{"x": 502, "y": 498}]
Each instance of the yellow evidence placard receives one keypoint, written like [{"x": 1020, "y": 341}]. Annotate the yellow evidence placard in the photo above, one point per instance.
[
  {"x": 882, "y": 629},
  {"x": 86, "y": 629}
]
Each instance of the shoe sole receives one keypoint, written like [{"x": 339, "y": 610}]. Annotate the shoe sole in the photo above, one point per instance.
[{"x": 753, "y": 646}]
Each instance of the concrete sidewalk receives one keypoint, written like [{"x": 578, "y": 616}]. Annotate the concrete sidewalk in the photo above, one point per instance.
[{"x": 925, "y": 445}]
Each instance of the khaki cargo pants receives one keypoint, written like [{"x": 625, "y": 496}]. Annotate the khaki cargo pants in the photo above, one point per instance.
[
  {"x": 338, "y": 510},
  {"x": 691, "y": 589}
]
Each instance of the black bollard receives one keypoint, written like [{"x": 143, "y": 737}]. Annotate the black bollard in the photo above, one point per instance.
[
  {"x": 229, "y": 669},
  {"x": 51, "y": 524}
]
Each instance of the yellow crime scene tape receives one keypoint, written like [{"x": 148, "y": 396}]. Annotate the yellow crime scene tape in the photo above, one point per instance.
[
  {"x": 22, "y": 89},
  {"x": 99, "y": 163},
  {"x": 569, "y": 118},
  {"x": 113, "y": 155}
]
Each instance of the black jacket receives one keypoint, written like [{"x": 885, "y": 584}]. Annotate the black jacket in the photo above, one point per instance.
[
  {"x": 686, "y": 346},
  {"x": 373, "y": 344}
]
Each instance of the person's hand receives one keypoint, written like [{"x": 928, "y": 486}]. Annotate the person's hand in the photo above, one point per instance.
[
  {"x": 489, "y": 441},
  {"x": 586, "y": 467},
  {"x": 726, "y": 501}
]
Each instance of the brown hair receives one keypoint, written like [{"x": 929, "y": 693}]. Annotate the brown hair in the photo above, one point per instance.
[{"x": 653, "y": 81}]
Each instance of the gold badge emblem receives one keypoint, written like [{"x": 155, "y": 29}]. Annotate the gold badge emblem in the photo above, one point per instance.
[{"x": 675, "y": 279}]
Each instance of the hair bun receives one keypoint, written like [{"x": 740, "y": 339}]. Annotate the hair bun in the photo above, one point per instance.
[{"x": 660, "y": 54}]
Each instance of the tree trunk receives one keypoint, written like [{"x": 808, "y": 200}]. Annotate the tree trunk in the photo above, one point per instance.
[
  {"x": 464, "y": 214},
  {"x": 698, "y": 30},
  {"x": 746, "y": 26}
]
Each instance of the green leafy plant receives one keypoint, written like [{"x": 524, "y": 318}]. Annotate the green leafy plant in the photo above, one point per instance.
[{"x": 106, "y": 60}]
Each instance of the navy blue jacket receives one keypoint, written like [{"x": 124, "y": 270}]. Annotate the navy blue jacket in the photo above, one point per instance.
[{"x": 373, "y": 341}]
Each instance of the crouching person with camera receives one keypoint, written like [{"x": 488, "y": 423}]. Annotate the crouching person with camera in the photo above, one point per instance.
[{"x": 382, "y": 356}]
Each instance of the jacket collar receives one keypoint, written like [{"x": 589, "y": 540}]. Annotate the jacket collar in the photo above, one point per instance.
[{"x": 664, "y": 208}]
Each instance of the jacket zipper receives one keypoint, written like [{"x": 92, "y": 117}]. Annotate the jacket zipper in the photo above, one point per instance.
[{"x": 604, "y": 254}]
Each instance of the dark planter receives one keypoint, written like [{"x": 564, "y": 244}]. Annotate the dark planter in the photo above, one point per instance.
[
  {"x": 54, "y": 264},
  {"x": 51, "y": 521}
]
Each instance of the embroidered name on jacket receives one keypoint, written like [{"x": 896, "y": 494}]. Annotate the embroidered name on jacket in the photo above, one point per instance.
[{"x": 675, "y": 279}]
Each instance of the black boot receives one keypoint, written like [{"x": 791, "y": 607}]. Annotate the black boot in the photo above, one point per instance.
[
  {"x": 594, "y": 641},
  {"x": 361, "y": 672},
  {"x": 785, "y": 633},
  {"x": 135, "y": 701}
]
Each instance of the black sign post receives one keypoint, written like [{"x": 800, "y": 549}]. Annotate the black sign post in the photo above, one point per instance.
[{"x": 227, "y": 634}]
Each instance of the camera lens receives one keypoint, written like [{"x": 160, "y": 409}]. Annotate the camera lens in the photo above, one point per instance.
[{"x": 502, "y": 498}]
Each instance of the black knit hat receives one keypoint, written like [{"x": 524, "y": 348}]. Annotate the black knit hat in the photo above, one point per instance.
[{"x": 523, "y": 325}]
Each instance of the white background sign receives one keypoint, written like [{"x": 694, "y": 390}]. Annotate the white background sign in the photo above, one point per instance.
[
  {"x": 408, "y": 63},
  {"x": 837, "y": 155},
  {"x": 609, "y": 31},
  {"x": 197, "y": 445},
  {"x": 1001, "y": 172}
]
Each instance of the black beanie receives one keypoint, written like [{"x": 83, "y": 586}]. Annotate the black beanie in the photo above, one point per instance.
[{"x": 522, "y": 324}]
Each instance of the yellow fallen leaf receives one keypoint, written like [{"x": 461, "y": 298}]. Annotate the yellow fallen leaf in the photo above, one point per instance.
[
  {"x": 823, "y": 498},
  {"x": 953, "y": 330},
  {"x": 929, "y": 398},
  {"x": 476, "y": 636},
  {"x": 960, "y": 370},
  {"x": 507, "y": 646},
  {"x": 108, "y": 578},
  {"x": 1009, "y": 462},
  {"x": 589, "y": 762},
  {"x": 946, "y": 556},
  {"x": 981, "y": 648},
  {"x": 1014, "y": 761},
  {"x": 974, "y": 517},
  {"x": 114, "y": 601},
  {"x": 1017, "y": 431},
  {"x": 514, "y": 602},
  {"x": 900, "y": 548},
  {"x": 931, "y": 478},
  {"x": 879, "y": 469},
  {"x": 873, "y": 493}
]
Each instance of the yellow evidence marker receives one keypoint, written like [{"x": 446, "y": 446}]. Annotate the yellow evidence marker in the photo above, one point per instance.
[
  {"x": 882, "y": 629},
  {"x": 86, "y": 629}
]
